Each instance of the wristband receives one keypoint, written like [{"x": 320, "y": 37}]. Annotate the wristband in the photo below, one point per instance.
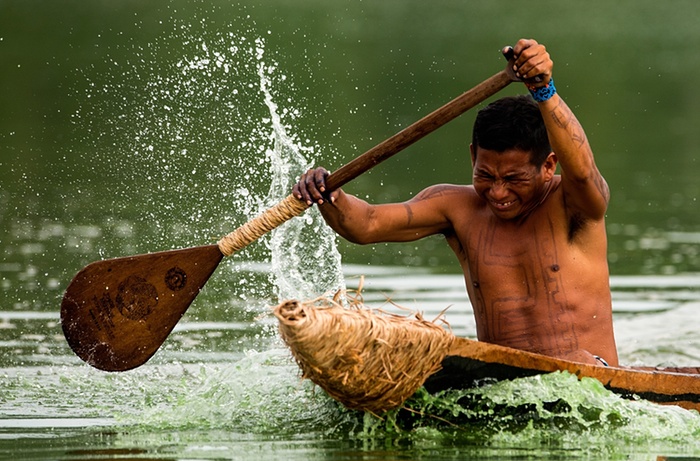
[{"x": 544, "y": 93}]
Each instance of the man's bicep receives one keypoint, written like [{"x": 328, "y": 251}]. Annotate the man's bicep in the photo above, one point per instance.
[
  {"x": 403, "y": 222},
  {"x": 423, "y": 215},
  {"x": 429, "y": 210}
]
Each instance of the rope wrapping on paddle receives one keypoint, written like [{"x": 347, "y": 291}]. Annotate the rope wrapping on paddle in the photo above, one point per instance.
[
  {"x": 365, "y": 360},
  {"x": 261, "y": 225}
]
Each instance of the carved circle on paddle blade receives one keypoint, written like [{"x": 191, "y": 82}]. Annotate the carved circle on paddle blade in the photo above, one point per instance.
[
  {"x": 176, "y": 279},
  {"x": 136, "y": 298}
]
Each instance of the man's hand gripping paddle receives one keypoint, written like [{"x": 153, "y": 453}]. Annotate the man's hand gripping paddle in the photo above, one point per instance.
[{"x": 116, "y": 313}]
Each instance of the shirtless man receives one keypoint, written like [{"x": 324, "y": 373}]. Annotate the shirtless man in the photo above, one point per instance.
[{"x": 531, "y": 243}]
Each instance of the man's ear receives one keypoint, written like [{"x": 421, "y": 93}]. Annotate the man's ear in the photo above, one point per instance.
[
  {"x": 473, "y": 152},
  {"x": 549, "y": 167}
]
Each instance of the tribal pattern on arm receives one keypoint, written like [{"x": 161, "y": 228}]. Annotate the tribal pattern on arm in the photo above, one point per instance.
[
  {"x": 425, "y": 212},
  {"x": 578, "y": 157},
  {"x": 566, "y": 120},
  {"x": 409, "y": 213}
]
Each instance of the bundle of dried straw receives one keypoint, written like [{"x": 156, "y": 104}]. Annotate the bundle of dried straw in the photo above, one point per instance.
[{"x": 364, "y": 359}]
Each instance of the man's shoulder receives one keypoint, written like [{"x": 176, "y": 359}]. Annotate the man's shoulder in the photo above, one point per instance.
[
  {"x": 445, "y": 191},
  {"x": 456, "y": 203}
]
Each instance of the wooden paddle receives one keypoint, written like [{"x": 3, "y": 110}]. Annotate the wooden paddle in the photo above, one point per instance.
[{"x": 116, "y": 313}]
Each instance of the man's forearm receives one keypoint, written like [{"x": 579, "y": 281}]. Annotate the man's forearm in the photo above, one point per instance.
[
  {"x": 567, "y": 138},
  {"x": 348, "y": 216},
  {"x": 575, "y": 156}
]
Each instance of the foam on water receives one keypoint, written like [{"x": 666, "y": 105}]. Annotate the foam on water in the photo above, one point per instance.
[
  {"x": 261, "y": 395},
  {"x": 558, "y": 409}
]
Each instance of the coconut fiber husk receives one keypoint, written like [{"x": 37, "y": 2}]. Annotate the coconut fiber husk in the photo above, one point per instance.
[{"x": 367, "y": 360}]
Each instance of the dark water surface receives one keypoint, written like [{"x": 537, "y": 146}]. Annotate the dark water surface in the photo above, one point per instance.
[{"x": 130, "y": 127}]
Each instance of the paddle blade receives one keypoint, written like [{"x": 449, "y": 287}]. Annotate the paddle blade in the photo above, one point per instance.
[{"x": 116, "y": 313}]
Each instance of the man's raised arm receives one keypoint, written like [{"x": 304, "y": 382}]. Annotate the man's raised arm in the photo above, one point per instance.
[{"x": 585, "y": 190}]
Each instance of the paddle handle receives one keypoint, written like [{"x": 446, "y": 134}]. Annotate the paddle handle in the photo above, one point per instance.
[
  {"x": 291, "y": 206},
  {"x": 261, "y": 225}
]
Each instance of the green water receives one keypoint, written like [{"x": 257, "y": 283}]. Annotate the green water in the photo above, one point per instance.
[{"x": 127, "y": 128}]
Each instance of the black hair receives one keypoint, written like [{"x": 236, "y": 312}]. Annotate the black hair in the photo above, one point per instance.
[{"x": 513, "y": 122}]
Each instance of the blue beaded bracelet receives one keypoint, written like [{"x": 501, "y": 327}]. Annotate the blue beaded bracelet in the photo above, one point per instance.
[{"x": 543, "y": 93}]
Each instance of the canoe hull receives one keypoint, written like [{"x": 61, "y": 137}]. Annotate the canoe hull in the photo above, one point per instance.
[{"x": 469, "y": 361}]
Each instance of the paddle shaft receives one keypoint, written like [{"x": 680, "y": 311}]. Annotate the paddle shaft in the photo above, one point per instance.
[{"x": 419, "y": 129}]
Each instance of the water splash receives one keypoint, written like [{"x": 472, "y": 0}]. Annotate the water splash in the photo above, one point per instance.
[
  {"x": 196, "y": 145},
  {"x": 259, "y": 394},
  {"x": 302, "y": 246},
  {"x": 181, "y": 138}
]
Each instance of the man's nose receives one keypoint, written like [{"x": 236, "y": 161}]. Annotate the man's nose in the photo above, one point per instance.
[{"x": 498, "y": 190}]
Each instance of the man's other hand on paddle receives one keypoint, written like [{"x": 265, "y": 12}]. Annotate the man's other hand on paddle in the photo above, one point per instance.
[{"x": 311, "y": 187}]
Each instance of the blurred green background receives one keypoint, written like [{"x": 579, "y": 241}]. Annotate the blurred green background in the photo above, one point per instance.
[{"x": 116, "y": 139}]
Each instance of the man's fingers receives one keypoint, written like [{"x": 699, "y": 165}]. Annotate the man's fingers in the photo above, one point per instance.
[
  {"x": 522, "y": 45},
  {"x": 320, "y": 179},
  {"x": 311, "y": 186},
  {"x": 532, "y": 62},
  {"x": 538, "y": 65},
  {"x": 301, "y": 191}
]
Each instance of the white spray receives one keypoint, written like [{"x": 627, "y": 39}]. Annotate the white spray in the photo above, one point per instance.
[{"x": 305, "y": 260}]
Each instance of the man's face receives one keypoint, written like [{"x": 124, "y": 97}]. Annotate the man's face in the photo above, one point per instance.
[{"x": 508, "y": 182}]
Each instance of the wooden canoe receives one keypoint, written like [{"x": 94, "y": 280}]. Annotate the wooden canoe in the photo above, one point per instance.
[{"x": 469, "y": 361}]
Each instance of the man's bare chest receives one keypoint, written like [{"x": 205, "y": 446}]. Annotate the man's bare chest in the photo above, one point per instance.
[{"x": 511, "y": 244}]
